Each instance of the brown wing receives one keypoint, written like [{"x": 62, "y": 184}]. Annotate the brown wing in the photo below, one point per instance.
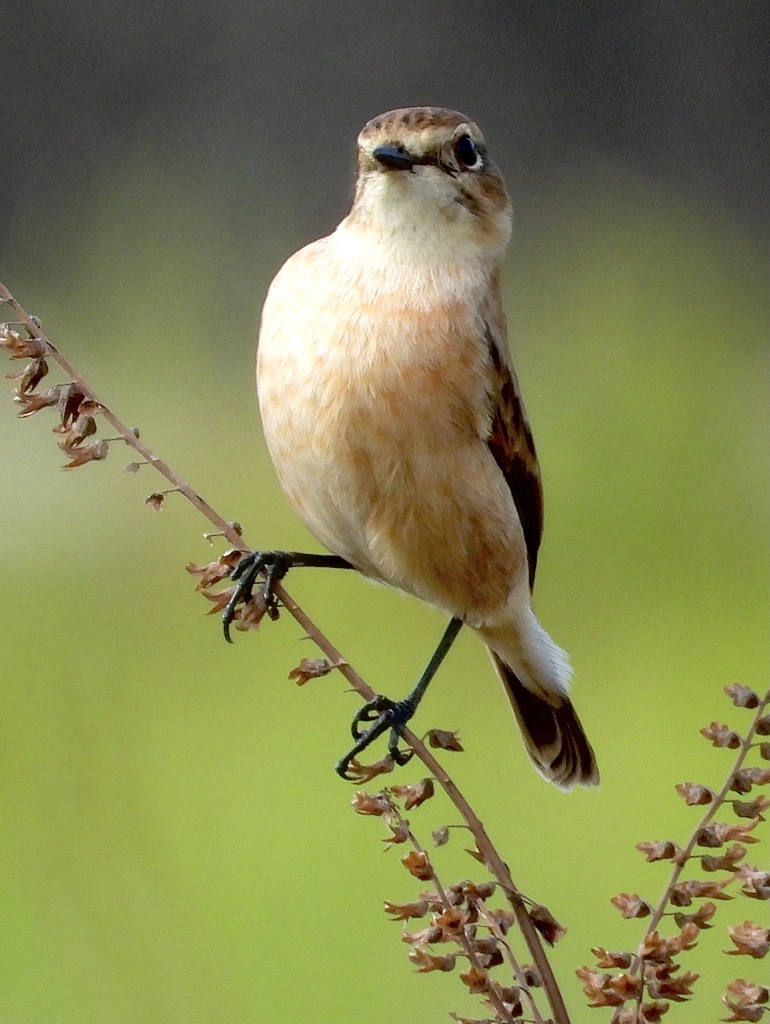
[{"x": 510, "y": 439}]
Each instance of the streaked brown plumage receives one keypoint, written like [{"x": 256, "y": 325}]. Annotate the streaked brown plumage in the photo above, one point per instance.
[{"x": 393, "y": 414}]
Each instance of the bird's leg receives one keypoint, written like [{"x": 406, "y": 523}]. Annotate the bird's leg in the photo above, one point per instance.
[
  {"x": 386, "y": 714},
  {"x": 273, "y": 565}
]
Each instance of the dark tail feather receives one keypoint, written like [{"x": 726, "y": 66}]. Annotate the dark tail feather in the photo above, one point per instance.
[{"x": 553, "y": 735}]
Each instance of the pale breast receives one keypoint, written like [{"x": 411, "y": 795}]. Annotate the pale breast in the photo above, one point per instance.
[{"x": 373, "y": 393}]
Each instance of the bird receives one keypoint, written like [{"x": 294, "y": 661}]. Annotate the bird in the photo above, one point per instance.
[{"x": 394, "y": 419}]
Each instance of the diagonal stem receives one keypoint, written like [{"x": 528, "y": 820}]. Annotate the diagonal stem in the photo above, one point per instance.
[{"x": 492, "y": 859}]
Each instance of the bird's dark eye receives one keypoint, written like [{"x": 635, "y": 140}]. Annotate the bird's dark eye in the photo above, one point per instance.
[{"x": 465, "y": 151}]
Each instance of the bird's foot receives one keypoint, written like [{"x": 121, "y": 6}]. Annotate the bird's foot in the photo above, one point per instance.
[
  {"x": 273, "y": 565},
  {"x": 383, "y": 714}
]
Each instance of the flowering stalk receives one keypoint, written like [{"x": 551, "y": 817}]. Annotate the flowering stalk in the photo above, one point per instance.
[
  {"x": 458, "y": 913},
  {"x": 78, "y": 407},
  {"x": 650, "y": 973}
]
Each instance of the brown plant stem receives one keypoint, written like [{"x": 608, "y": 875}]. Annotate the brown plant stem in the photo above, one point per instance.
[
  {"x": 686, "y": 854},
  {"x": 713, "y": 807},
  {"x": 513, "y": 963},
  {"x": 492, "y": 859},
  {"x": 462, "y": 938}
]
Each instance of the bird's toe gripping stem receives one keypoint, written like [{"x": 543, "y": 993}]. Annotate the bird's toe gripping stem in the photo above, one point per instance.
[
  {"x": 383, "y": 714},
  {"x": 274, "y": 565}
]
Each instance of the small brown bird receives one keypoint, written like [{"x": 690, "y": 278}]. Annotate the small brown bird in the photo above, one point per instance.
[{"x": 393, "y": 416}]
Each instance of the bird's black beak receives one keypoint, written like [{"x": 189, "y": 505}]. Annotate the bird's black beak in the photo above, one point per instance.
[{"x": 395, "y": 158}]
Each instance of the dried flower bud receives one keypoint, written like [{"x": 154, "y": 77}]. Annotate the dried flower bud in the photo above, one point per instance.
[
  {"x": 21, "y": 348},
  {"x": 415, "y": 794},
  {"x": 742, "y": 696},
  {"x": 750, "y": 939},
  {"x": 627, "y": 985},
  {"x": 81, "y": 454},
  {"x": 216, "y": 571},
  {"x": 742, "y": 1013},
  {"x": 486, "y": 944},
  {"x": 598, "y": 988},
  {"x": 741, "y": 782},
  {"x": 683, "y": 893},
  {"x": 416, "y": 863},
  {"x": 406, "y": 911},
  {"x": 652, "y": 1013},
  {"x": 451, "y": 923},
  {"x": 658, "y": 949},
  {"x": 471, "y": 892},
  {"x": 626, "y": 1015},
  {"x": 29, "y": 378},
  {"x": 358, "y": 772},
  {"x": 604, "y": 958},
  {"x": 426, "y": 962},
  {"x": 722, "y": 736},
  {"x": 700, "y": 918},
  {"x": 435, "y": 901},
  {"x": 427, "y": 937},
  {"x": 762, "y": 727},
  {"x": 479, "y": 890},
  {"x": 727, "y": 861},
  {"x": 678, "y": 989},
  {"x": 511, "y": 995},
  {"x": 709, "y": 863},
  {"x": 399, "y": 832},
  {"x": 441, "y": 739},
  {"x": 367, "y": 803},
  {"x": 531, "y": 976},
  {"x": 630, "y": 905},
  {"x": 31, "y": 403},
  {"x": 764, "y": 751},
  {"x": 155, "y": 500},
  {"x": 665, "y": 850},
  {"x": 250, "y": 614},
  {"x": 312, "y": 668},
  {"x": 440, "y": 835},
  {"x": 746, "y": 992},
  {"x": 70, "y": 398},
  {"x": 546, "y": 924},
  {"x": 751, "y": 808},
  {"x": 488, "y": 960},
  {"x": 694, "y": 794},
  {"x": 503, "y": 918},
  {"x": 84, "y": 426},
  {"x": 476, "y": 979},
  {"x": 708, "y": 837},
  {"x": 728, "y": 832},
  {"x": 219, "y": 600},
  {"x": 756, "y": 884}
]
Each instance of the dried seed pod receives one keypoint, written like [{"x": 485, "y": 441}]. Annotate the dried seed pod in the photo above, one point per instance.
[
  {"x": 630, "y": 905},
  {"x": 742, "y": 696},
  {"x": 694, "y": 794},
  {"x": 416, "y": 863},
  {"x": 750, "y": 939},
  {"x": 367, "y": 803},
  {"x": 721, "y": 735},
  {"x": 415, "y": 794}
]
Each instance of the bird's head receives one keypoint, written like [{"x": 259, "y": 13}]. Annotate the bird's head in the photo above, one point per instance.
[{"x": 426, "y": 172}]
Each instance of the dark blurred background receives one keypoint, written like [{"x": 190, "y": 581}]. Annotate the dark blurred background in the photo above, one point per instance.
[{"x": 175, "y": 846}]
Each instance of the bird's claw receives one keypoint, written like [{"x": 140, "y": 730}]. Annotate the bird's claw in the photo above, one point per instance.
[
  {"x": 383, "y": 714},
  {"x": 372, "y": 711},
  {"x": 274, "y": 565}
]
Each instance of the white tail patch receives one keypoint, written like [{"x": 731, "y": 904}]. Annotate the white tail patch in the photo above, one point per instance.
[{"x": 539, "y": 663}]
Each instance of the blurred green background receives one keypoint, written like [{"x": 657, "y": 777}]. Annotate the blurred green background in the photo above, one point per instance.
[{"x": 175, "y": 846}]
